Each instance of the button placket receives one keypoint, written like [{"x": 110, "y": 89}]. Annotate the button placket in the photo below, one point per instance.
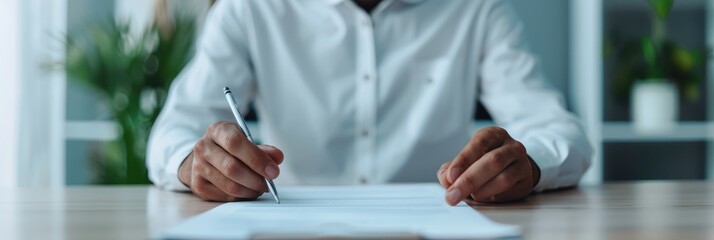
[{"x": 367, "y": 99}]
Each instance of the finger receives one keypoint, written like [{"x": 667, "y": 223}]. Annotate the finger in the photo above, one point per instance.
[
  {"x": 207, "y": 191},
  {"x": 229, "y": 137},
  {"x": 512, "y": 175},
  {"x": 228, "y": 166},
  {"x": 483, "y": 141},
  {"x": 479, "y": 173},
  {"x": 273, "y": 152},
  {"x": 233, "y": 187},
  {"x": 441, "y": 174},
  {"x": 230, "y": 187},
  {"x": 518, "y": 191}
]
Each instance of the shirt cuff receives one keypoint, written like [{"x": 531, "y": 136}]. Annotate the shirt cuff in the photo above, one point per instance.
[
  {"x": 172, "y": 181},
  {"x": 546, "y": 161}
]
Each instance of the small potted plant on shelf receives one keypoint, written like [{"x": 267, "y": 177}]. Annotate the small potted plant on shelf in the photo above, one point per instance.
[
  {"x": 656, "y": 72},
  {"x": 133, "y": 74}
]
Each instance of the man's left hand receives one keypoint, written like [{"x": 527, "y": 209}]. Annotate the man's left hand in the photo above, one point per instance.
[{"x": 493, "y": 167}]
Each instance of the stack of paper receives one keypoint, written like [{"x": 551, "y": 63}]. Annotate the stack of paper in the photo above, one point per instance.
[{"x": 384, "y": 211}]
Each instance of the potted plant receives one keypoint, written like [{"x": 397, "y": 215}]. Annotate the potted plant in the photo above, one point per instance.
[
  {"x": 655, "y": 72},
  {"x": 132, "y": 73}
]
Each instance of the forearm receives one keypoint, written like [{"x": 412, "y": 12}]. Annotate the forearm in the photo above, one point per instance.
[{"x": 560, "y": 150}]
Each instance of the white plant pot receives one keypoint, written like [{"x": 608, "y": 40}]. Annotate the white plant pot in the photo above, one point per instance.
[{"x": 655, "y": 106}]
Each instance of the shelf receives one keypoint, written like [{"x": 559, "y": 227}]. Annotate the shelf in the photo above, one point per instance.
[
  {"x": 643, "y": 5},
  {"x": 684, "y": 131},
  {"x": 91, "y": 130},
  {"x": 611, "y": 131}
]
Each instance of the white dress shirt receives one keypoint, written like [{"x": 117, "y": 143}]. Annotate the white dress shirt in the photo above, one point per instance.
[{"x": 358, "y": 98}]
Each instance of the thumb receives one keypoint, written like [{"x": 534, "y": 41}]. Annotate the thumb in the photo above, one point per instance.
[{"x": 273, "y": 152}]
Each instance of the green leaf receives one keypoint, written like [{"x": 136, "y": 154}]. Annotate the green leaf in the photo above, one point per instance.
[
  {"x": 691, "y": 91},
  {"x": 649, "y": 52},
  {"x": 661, "y": 7},
  {"x": 683, "y": 59}
]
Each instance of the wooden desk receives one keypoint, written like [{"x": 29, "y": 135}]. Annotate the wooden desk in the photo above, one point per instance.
[{"x": 643, "y": 210}]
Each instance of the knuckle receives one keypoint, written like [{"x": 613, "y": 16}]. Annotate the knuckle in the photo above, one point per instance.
[
  {"x": 221, "y": 124},
  {"x": 199, "y": 167},
  {"x": 499, "y": 131},
  {"x": 469, "y": 183},
  {"x": 213, "y": 128},
  {"x": 233, "y": 189},
  {"x": 202, "y": 167},
  {"x": 469, "y": 154},
  {"x": 481, "y": 141},
  {"x": 477, "y": 133},
  {"x": 490, "y": 135},
  {"x": 217, "y": 128},
  {"x": 481, "y": 133},
  {"x": 497, "y": 161},
  {"x": 501, "y": 155},
  {"x": 234, "y": 142},
  {"x": 231, "y": 167},
  {"x": 505, "y": 181},
  {"x": 519, "y": 146},
  {"x": 497, "y": 135},
  {"x": 521, "y": 150},
  {"x": 200, "y": 146}
]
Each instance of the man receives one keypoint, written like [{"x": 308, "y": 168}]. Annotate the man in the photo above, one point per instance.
[{"x": 366, "y": 92}]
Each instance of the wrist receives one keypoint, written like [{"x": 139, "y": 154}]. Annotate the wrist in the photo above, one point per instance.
[{"x": 184, "y": 172}]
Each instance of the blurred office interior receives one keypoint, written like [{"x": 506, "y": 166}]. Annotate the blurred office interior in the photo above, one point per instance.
[{"x": 55, "y": 130}]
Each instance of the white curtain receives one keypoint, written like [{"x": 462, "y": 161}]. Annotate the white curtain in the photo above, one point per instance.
[
  {"x": 32, "y": 98},
  {"x": 9, "y": 53}
]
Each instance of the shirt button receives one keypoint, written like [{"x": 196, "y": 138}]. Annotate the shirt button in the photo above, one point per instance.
[
  {"x": 363, "y": 180},
  {"x": 365, "y": 133},
  {"x": 366, "y": 23}
]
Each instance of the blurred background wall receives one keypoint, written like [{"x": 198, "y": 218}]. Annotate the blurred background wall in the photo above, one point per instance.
[{"x": 574, "y": 41}]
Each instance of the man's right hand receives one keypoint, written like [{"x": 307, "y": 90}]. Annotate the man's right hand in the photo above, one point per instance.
[{"x": 225, "y": 166}]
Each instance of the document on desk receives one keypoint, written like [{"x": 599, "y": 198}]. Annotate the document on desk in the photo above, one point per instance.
[{"x": 380, "y": 212}]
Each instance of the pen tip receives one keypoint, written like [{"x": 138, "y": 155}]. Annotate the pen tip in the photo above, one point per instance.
[{"x": 226, "y": 90}]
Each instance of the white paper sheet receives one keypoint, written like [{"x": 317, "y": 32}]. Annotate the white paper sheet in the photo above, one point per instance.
[{"x": 344, "y": 211}]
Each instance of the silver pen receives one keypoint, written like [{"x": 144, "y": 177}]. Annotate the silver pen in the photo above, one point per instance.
[{"x": 234, "y": 108}]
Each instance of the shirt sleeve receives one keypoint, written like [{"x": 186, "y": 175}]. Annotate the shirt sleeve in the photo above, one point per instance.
[
  {"x": 195, "y": 99},
  {"x": 517, "y": 96}
]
